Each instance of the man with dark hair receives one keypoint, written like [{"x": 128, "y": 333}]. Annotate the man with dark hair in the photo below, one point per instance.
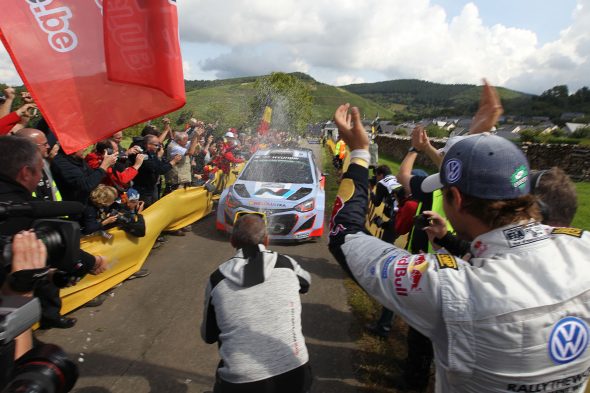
[
  {"x": 514, "y": 319},
  {"x": 21, "y": 167},
  {"x": 74, "y": 178},
  {"x": 146, "y": 181},
  {"x": 556, "y": 196},
  {"x": 253, "y": 311}
]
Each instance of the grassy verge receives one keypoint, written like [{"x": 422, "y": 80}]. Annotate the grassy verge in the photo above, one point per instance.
[{"x": 379, "y": 362}]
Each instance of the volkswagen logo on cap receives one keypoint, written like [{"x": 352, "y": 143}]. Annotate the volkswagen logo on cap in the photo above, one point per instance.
[
  {"x": 453, "y": 169},
  {"x": 568, "y": 340}
]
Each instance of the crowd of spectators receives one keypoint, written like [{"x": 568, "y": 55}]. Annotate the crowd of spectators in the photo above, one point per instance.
[
  {"x": 114, "y": 181},
  {"x": 496, "y": 209}
]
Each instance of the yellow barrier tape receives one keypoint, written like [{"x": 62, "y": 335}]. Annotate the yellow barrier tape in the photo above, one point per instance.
[{"x": 126, "y": 254}]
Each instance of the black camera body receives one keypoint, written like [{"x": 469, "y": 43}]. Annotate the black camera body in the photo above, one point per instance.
[
  {"x": 45, "y": 368},
  {"x": 61, "y": 238},
  {"x": 421, "y": 221}
]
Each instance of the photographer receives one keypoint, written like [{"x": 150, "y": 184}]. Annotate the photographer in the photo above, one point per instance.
[
  {"x": 180, "y": 174},
  {"x": 28, "y": 253},
  {"x": 21, "y": 167},
  {"x": 120, "y": 174},
  {"x": 146, "y": 181},
  {"x": 74, "y": 178}
]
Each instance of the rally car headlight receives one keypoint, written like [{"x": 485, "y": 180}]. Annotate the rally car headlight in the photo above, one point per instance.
[
  {"x": 231, "y": 201},
  {"x": 306, "y": 206}
]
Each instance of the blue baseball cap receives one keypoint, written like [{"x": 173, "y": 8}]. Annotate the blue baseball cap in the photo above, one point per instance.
[
  {"x": 483, "y": 166},
  {"x": 132, "y": 194}
]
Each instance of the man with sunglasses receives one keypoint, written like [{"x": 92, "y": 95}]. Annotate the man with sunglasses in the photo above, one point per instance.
[{"x": 146, "y": 181}]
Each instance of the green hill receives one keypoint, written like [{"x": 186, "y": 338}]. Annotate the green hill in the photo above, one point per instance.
[
  {"x": 423, "y": 98},
  {"x": 229, "y": 100}
]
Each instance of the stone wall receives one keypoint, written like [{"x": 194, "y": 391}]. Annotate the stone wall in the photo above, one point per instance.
[{"x": 574, "y": 160}]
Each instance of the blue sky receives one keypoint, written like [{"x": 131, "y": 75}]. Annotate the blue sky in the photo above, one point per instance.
[
  {"x": 545, "y": 17},
  {"x": 525, "y": 45}
]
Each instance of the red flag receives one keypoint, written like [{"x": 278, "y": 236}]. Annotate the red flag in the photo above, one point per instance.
[
  {"x": 265, "y": 122},
  {"x": 88, "y": 81}
]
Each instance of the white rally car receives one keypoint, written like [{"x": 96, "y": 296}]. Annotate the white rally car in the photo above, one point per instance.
[{"x": 285, "y": 187}]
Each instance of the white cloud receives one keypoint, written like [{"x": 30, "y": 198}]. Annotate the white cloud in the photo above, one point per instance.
[
  {"x": 351, "y": 41},
  {"x": 393, "y": 39},
  {"x": 8, "y": 74},
  {"x": 343, "y": 80},
  {"x": 186, "y": 69}
]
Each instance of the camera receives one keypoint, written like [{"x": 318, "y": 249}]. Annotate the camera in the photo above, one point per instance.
[
  {"x": 421, "y": 221},
  {"x": 61, "y": 238},
  {"x": 124, "y": 219},
  {"x": 45, "y": 368}
]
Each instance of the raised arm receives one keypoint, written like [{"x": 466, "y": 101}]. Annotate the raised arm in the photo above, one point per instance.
[{"x": 490, "y": 110}]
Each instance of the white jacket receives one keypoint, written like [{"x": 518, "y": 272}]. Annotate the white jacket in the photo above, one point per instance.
[{"x": 514, "y": 320}]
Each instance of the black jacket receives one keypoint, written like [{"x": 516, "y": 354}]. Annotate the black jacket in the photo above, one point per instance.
[
  {"x": 12, "y": 191},
  {"x": 148, "y": 173},
  {"x": 74, "y": 178}
]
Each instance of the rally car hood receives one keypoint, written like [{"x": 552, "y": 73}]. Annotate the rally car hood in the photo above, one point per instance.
[{"x": 272, "y": 195}]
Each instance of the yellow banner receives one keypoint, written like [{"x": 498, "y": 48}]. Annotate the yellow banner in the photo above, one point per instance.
[{"x": 126, "y": 254}]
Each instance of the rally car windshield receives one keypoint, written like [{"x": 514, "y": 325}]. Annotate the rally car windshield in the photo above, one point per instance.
[{"x": 283, "y": 170}]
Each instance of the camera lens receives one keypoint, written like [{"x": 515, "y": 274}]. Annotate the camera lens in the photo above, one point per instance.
[
  {"x": 44, "y": 369},
  {"x": 53, "y": 241}
]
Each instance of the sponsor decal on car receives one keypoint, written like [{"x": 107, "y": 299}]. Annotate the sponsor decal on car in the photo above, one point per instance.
[
  {"x": 446, "y": 261},
  {"x": 575, "y": 232},
  {"x": 266, "y": 204},
  {"x": 524, "y": 234}
]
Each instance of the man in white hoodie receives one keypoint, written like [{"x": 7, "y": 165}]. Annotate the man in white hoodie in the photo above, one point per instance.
[{"x": 253, "y": 310}]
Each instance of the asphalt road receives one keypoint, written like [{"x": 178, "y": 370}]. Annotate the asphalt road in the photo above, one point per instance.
[{"x": 145, "y": 337}]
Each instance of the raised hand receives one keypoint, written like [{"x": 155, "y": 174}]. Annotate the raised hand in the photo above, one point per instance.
[
  {"x": 490, "y": 110},
  {"x": 420, "y": 139},
  {"x": 350, "y": 127}
]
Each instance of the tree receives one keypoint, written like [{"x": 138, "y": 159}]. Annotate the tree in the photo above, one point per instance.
[
  {"x": 435, "y": 131},
  {"x": 557, "y": 95},
  {"x": 290, "y": 99}
]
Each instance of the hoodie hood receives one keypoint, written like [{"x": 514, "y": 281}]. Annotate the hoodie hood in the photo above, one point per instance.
[{"x": 237, "y": 270}]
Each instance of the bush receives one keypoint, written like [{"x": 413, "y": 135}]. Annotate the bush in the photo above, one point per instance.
[
  {"x": 435, "y": 131},
  {"x": 581, "y": 133}
]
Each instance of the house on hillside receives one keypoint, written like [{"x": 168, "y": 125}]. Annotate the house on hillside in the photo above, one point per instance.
[
  {"x": 385, "y": 127},
  {"x": 511, "y": 136},
  {"x": 546, "y": 127},
  {"x": 330, "y": 131},
  {"x": 461, "y": 127},
  {"x": 569, "y": 116},
  {"x": 572, "y": 127},
  {"x": 509, "y": 128}
]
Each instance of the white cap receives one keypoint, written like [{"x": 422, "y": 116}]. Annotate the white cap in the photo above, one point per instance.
[{"x": 229, "y": 134}]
